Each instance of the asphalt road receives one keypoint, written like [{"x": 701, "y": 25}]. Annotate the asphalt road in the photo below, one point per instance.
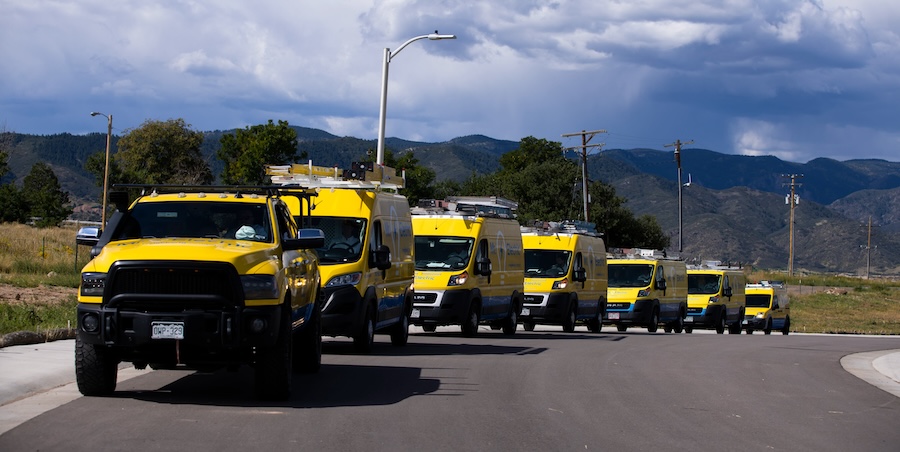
[{"x": 533, "y": 391}]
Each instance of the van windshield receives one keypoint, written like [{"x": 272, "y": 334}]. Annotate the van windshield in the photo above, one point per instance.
[
  {"x": 344, "y": 238},
  {"x": 630, "y": 275},
  {"x": 704, "y": 283},
  {"x": 443, "y": 253},
  {"x": 758, "y": 301},
  {"x": 546, "y": 263}
]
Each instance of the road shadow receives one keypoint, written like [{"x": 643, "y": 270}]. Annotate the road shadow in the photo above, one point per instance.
[{"x": 335, "y": 385}]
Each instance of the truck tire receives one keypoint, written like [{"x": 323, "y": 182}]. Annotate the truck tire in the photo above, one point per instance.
[
  {"x": 274, "y": 366},
  {"x": 308, "y": 344},
  {"x": 95, "y": 369}
]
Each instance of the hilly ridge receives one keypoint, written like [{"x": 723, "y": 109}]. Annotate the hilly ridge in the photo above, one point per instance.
[{"x": 734, "y": 209}]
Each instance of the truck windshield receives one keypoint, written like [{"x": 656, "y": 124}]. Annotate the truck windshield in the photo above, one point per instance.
[
  {"x": 630, "y": 275},
  {"x": 443, "y": 253},
  {"x": 704, "y": 284},
  {"x": 758, "y": 301},
  {"x": 546, "y": 263},
  {"x": 192, "y": 219},
  {"x": 344, "y": 238}
]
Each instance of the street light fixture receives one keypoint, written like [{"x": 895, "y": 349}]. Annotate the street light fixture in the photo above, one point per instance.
[
  {"x": 106, "y": 165},
  {"x": 388, "y": 56}
]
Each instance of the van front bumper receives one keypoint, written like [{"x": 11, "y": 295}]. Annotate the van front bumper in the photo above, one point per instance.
[
  {"x": 707, "y": 318},
  {"x": 343, "y": 312},
  {"x": 552, "y": 308},
  {"x": 450, "y": 307},
  {"x": 638, "y": 314}
]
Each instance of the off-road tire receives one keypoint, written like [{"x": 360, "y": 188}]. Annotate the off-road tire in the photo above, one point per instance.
[{"x": 95, "y": 369}]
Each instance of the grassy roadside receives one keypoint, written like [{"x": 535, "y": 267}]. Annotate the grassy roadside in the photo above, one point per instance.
[{"x": 39, "y": 275}]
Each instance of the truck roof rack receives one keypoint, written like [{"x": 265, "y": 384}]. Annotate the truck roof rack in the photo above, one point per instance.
[
  {"x": 483, "y": 206},
  {"x": 237, "y": 190},
  {"x": 360, "y": 175}
]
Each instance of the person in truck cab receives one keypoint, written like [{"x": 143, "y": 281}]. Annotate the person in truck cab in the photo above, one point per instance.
[{"x": 247, "y": 227}]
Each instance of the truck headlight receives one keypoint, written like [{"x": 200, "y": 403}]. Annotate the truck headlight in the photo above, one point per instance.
[
  {"x": 259, "y": 286},
  {"x": 92, "y": 284},
  {"x": 350, "y": 279}
]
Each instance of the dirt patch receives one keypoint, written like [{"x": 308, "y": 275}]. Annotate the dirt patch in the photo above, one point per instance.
[{"x": 42, "y": 295}]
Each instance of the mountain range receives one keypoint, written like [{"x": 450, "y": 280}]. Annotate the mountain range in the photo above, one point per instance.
[{"x": 733, "y": 210}]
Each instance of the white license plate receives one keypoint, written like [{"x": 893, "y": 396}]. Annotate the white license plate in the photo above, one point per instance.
[
  {"x": 167, "y": 330},
  {"x": 613, "y": 316},
  {"x": 688, "y": 319},
  {"x": 526, "y": 311},
  {"x": 415, "y": 314}
]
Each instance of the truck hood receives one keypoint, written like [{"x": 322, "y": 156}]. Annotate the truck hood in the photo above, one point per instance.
[{"x": 244, "y": 255}]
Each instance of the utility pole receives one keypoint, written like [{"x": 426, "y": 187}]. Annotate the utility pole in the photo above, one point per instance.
[
  {"x": 868, "y": 247},
  {"x": 793, "y": 199},
  {"x": 677, "y": 144},
  {"x": 585, "y": 138}
]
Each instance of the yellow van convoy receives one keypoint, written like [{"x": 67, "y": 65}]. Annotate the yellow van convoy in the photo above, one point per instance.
[
  {"x": 768, "y": 308},
  {"x": 367, "y": 261},
  {"x": 565, "y": 276},
  {"x": 715, "y": 298},
  {"x": 646, "y": 289},
  {"x": 469, "y": 264}
]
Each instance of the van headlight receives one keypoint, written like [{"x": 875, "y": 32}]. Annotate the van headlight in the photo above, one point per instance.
[
  {"x": 760, "y": 315},
  {"x": 458, "y": 280},
  {"x": 350, "y": 279},
  {"x": 259, "y": 286},
  {"x": 92, "y": 284},
  {"x": 643, "y": 293},
  {"x": 561, "y": 284}
]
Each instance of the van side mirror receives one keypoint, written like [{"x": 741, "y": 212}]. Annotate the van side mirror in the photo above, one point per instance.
[
  {"x": 381, "y": 258},
  {"x": 727, "y": 292},
  {"x": 483, "y": 267},
  {"x": 661, "y": 284},
  {"x": 581, "y": 275}
]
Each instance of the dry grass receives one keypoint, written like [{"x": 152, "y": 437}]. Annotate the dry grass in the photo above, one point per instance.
[{"x": 32, "y": 256}]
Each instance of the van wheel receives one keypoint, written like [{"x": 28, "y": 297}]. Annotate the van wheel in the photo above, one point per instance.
[
  {"x": 622, "y": 328},
  {"x": 595, "y": 324},
  {"x": 473, "y": 318},
  {"x": 364, "y": 340},
  {"x": 768, "y": 329},
  {"x": 688, "y": 329},
  {"x": 678, "y": 324},
  {"x": 529, "y": 326},
  {"x": 749, "y": 331},
  {"x": 95, "y": 369},
  {"x": 787, "y": 326},
  {"x": 569, "y": 322},
  {"x": 654, "y": 321},
  {"x": 720, "y": 324},
  {"x": 400, "y": 331},
  {"x": 308, "y": 344},
  {"x": 511, "y": 322},
  {"x": 429, "y": 328}
]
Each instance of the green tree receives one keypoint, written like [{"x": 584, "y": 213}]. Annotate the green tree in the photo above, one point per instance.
[
  {"x": 13, "y": 207},
  {"x": 45, "y": 198},
  {"x": 160, "y": 152},
  {"x": 248, "y": 151}
]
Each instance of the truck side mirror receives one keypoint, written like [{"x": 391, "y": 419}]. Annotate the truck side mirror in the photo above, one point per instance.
[{"x": 89, "y": 235}]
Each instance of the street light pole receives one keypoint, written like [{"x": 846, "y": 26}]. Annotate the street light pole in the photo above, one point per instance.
[
  {"x": 388, "y": 56},
  {"x": 106, "y": 165},
  {"x": 677, "y": 144}
]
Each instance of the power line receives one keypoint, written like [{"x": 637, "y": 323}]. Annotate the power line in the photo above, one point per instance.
[{"x": 585, "y": 138}]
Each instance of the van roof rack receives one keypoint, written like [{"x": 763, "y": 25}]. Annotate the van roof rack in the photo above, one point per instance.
[
  {"x": 767, "y": 283},
  {"x": 541, "y": 227},
  {"x": 716, "y": 265},
  {"x": 483, "y": 206},
  {"x": 360, "y": 175},
  {"x": 640, "y": 253}
]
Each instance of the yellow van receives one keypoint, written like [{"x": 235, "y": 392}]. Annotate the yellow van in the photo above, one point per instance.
[
  {"x": 715, "y": 299},
  {"x": 565, "y": 276},
  {"x": 646, "y": 289},
  {"x": 768, "y": 308},
  {"x": 367, "y": 263},
  {"x": 469, "y": 264}
]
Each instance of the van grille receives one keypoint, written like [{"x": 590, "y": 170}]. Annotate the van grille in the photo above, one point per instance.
[{"x": 618, "y": 305}]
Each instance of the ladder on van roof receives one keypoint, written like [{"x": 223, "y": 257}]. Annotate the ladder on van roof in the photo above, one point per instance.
[
  {"x": 360, "y": 175},
  {"x": 483, "y": 206}
]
